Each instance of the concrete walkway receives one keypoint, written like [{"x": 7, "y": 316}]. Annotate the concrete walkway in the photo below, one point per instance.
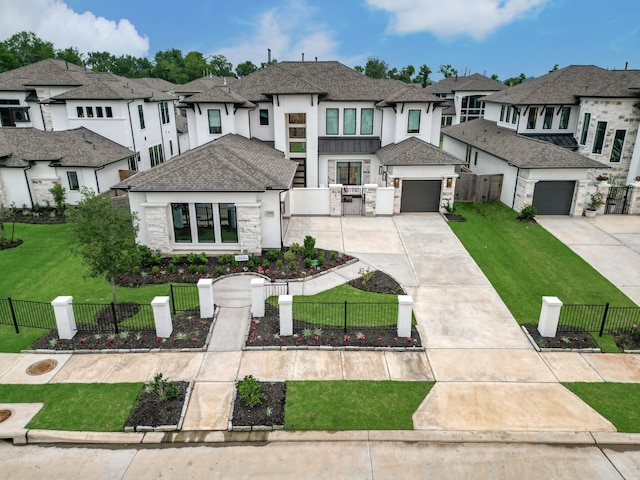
[{"x": 489, "y": 377}]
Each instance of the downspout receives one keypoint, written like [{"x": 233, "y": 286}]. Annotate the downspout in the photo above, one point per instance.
[
  {"x": 95, "y": 172},
  {"x": 249, "y": 117},
  {"x": 280, "y": 214},
  {"x": 515, "y": 189},
  {"x": 133, "y": 138},
  {"x": 26, "y": 179}
]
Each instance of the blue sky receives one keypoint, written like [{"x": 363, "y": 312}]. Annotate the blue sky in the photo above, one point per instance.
[{"x": 505, "y": 37}]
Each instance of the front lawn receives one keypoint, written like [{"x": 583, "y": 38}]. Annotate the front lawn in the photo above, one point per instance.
[
  {"x": 43, "y": 268},
  {"x": 10, "y": 342},
  {"x": 353, "y": 405},
  {"x": 524, "y": 262},
  {"x": 94, "y": 407},
  {"x": 617, "y": 402}
]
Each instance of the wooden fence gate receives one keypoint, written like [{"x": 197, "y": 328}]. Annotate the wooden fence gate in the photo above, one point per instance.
[{"x": 478, "y": 188}]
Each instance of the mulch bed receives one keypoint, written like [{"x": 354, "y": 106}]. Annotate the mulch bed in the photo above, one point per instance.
[
  {"x": 564, "y": 340},
  {"x": 148, "y": 411},
  {"x": 379, "y": 282},
  {"x": 189, "y": 331},
  {"x": 627, "y": 340},
  {"x": 6, "y": 244},
  {"x": 452, "y": 217},
  {"x": 269, "y": 413},
  {"x": 42, "y": 216}
]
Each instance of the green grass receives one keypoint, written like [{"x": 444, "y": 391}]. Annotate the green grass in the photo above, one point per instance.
[
  {"x": 42, "y": 268},
  {"x": 524, "y": 262},
  {"x": 10, "y": 342},
  {"x": 617, "y": 402},
  {"x": 76, "y": 406},
  {"x": 353, "y": 405}
]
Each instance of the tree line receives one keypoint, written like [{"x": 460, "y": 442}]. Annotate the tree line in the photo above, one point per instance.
[{"x": 24, "y": 48}]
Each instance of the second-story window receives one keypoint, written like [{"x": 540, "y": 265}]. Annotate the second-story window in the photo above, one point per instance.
[
  {"x": 264, "y": 116},
  {"x": 141, "y": 115},
  {"x": 533, "y": 118},
  {"x": 215, "y": 122},
  {"x": 89, "y": 112},
  {"x": 413, "y": 125},
  {"x": 349, "y": 127},
  {"x": 366, "y": 121},
  {"x": 564, "y": 118},
  {"x": 80, "y": 112},
  {"x": 616, "y": 148},
  {"x": 164, "y": 113},
  {"x": 548, "y": 118},
  {"x": 109, "y": 112},
  {"x": 601, "y": 130},
  {"x": 332, "y": 121},
  {"x": 585, "y": 128},
  {"x": 99, "y": 113}
]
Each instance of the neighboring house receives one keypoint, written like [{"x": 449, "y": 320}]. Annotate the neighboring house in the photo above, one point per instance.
[
  {"x": 329, "y": 118},
  {"x": 581, "y": 107},
  {"x": 551, "y": 178},
  {"x": 32, "y": 161},
  {"x": 55, "y": 95},
  {"x": 464, "y": 96},
  {"x": 224, "y": 195}
]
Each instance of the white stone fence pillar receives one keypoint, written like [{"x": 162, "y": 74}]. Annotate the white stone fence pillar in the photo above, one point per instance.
[
  {"x": 205, "y": 296},
  {"x": 65, "y": 318},
  {"x": 370, "y": 199},
  {"x": 162, "y": 316},
  {"x": 549, "y": 316},
  {"x": 405, "y": 309},
  {"x": 335, "y": 199},
  {"x": 257, "y": 297},
  {"x": 286, "y": 315}
]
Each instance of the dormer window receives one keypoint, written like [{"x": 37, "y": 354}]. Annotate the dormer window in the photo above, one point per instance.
[{"x": 413, "y": 125}]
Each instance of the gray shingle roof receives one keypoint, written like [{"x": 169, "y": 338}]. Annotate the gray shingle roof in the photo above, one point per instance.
[
  {"x": 157, "y": 84},
  {"x": 45, "y": 72},
  {"x": 109, "y": 88},
  {"x": 69, "y": 148},
  {"x": 567, "y": 85},
  {"x": 231, "y": 163},
  {"x": 414, "y": 151},
  {"x": 517, "y": 149},
  {"x": 332, "y": 80},
  {"x": 472, "y": 83},
  {"x": 218, "y": 95},
  {"x": 203, "y": 84}
]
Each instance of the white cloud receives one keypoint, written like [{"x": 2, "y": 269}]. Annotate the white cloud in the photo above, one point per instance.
[
  {"x": 54, "y": 21},
  {"x": 289, "y": 30},
  {"x": 454, "y": 18}
]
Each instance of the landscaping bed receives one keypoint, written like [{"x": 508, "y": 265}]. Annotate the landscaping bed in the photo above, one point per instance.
[
  {"x": 189, "y": 332},
  {"x": 269, "y": 413},
  {"x": 151, "y": 410},
  {"x": 36, "y": 216},
  {"x": 378, "y": 282},
  {"x": 562, "y": 340},
  {"x": 627, "y": 340}
]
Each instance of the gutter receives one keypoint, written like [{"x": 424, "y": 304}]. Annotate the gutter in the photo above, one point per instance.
[
  {"x": 26, "y": 179},
  {"x": 95, "y": 172},
  {"x": 133, "y": 138}
]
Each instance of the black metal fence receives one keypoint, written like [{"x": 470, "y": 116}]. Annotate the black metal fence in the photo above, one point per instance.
[
  {"x": 113, "y": 317},
  {"x": 183, "y": 297},
  {"x": 27, "y": 313},
  {"x": 598, "y": 318},
  {"x": 271, "y": 293},
  {"x": 345, "y": 315}
]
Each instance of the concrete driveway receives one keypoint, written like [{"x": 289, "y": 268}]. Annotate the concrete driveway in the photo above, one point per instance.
[{"x": 609, "y": 243}]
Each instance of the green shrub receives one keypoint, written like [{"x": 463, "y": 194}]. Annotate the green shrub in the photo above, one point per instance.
[
  {"x": 250, "y": 263},
  {"x": 155, "y": 269},
  {"x": 250, "y": 391},
  {"x": 178, "y": 259},
  {"x": 266, "y": 263},
  {"x": 273, "y": 255},
  {"x": 193, "y": 258},
  {"x": 309, "y": 247},
  {"x": 308, "y": 262},
  {"x": 193, "y": 268},
  {"x": 321, "y": 259},
  {"x": 59, "y": 194},
  {"x": 528, "y": 213},
  {"x": 293, "y": 266},
  {"x": 295, "y": 247},
  {"x": 203, "y": 258},
  {"x": 135, "y": 270},
  {"x": 220, "y": 270},
  {"x": 163, "y": 388},
  {"x": 366, "y": 274},
  {"x": 289, "y": 255},
  {"x": 202, "y": 269},
  {"x": 333, "y": 255},
  {"x": 145, "y": 255},
  {"x": 279, "y": 264},
  {"x": 171, "y": 267}
]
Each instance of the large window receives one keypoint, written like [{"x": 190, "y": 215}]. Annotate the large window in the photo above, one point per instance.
[
  {"x": 472, "y": 108},
  {"x": 164, "y": 112},
  {"x": 332, "y": 121},
  {"x": 502, "y": 111},
  {"x": 156, "y": 155},
  {"x": 141, "y": 115},
  {"x": 533, "y": 118},
  {"x": 228, "y": 223},
  {"x": 349, "y": 173},
  {"x": 564, "y": 118},
  {"x": 72, "y": 177},
  {"x": 598, "y": 141},
  {"x": 366, "y": 121},
  {"x": 514, "y": 116},
  {"x": 264, "y": 116},
  {"x": 349, "y": 126},
  {"x": 215, "y": 123},
  {"x": 548, "y": 118},
  {"x": 204, "y": 223},
  {"x": 618, "y": 143},
  {"x": 181, "y": 222},
  {"x": 585, "y": 128},
  {"x": 413, "y": 125}
]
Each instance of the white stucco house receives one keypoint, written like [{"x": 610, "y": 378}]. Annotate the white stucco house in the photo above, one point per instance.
[
  {"x": 54, "y": 95},
  {"x": 32, "y": 161}
]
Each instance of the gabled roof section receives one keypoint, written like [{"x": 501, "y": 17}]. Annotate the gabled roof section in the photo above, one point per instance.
[
  {"x": 567, "y": 85},
  {"x": 471, "y": 83},
  {"x": 521, "y": 151},
  {"x": 414, "y": 151},
  {"x": 219, "y": 95},
  {"x": 113, "y": 87},
  {"x": 202, "y": 84},
  {"x": 231, "y": 163},
  {"x": 157, "y": 84},
  {"x": 79, "y": 147},
  {"x": 45, "y": 72}
]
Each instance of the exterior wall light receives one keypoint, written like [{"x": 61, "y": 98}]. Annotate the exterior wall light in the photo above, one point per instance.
[
  {"x": 396, "y": 182},
  {"x": 449, "y": 182}
]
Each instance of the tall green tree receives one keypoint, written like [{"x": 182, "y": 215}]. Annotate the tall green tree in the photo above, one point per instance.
[
  {"x": 404, "y": 75},
  {"x": 195, "y": 65},
  {"x": 515, "y": 80},
  {"x": 71, "y": 55},
  {"x": 245, "y": 68},
  {"x": 423, "y": 76},
  {"x": 374, "y": 68},
  {"x": 220, "y": 66},
  {"x": 169, "y": 65},
  {"x": 448, "y": 71},
  {"x": 28, "y": 48},
  {"x": 104, "y": 236}
]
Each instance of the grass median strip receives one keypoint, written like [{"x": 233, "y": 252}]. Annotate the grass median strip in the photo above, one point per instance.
[
  {"x": 617, "y": 402},
  {"x": 88, "y": 407},
  {"x": 353, "y": 405}
]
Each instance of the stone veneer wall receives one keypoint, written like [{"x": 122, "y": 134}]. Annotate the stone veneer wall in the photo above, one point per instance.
[
  {"x": 634, "y": 207},
  {"x": 249, "y": 228},
  {"x": 579, "y": 198},
  {"x": 335, "y": 200},
  {"x": 370, "y": 199},
  {"x": 397, "y": 196},
  {"x": 4, "y": 200},
  {"x": 158, "y": 226},
  {"x": 40, "y": 190},
  {"x": 619, "y": 115},
  {"x": 524, "y": 193},
  {"x": 447, "y": 196}
]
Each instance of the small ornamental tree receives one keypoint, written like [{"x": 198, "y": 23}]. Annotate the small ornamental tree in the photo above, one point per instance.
[
  {"x": 59, "y": 194},
  {"x": 104, "y": 236}
]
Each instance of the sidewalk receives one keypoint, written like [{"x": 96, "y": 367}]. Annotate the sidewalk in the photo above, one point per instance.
[{"x": 491, "y": 384}]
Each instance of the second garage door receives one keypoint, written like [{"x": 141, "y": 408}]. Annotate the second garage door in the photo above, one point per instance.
[
  {"x": 553, "y": 197},
  {"x": 420, "y": 195}
]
